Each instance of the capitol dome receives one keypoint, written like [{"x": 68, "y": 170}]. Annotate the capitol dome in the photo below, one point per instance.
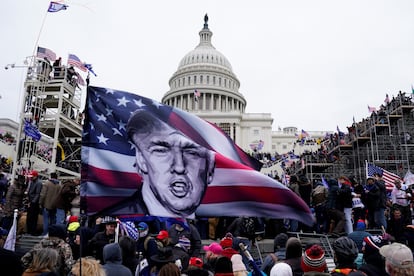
[
  {"x": 205, "y": 53},
  {"x": 204, "y": 82}
]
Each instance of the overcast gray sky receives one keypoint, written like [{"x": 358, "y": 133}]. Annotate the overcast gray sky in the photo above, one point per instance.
[{"x": 311, "y": 64}]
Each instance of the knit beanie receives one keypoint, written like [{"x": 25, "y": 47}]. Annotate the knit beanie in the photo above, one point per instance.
[
  {"x": 280, "y": 241},
  {"x": 226, "y": 242},
  {"x": 281, "y": 269},
  {"x": 372, "y": 244},
  {"x": 314, "y": 259},
  {"x": 293, "y": 248}
]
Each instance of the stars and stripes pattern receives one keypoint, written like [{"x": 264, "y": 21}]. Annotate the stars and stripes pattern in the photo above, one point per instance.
[
  {"x": 197, "y": 95},
  {"x": 387, "y": 176},
  {"x": 108, "y": 158},
  {"x": 75, "y": 61},
  {"x": 387, "y": 99},
  {"x": 46, "y": 53},
  {"x": 129, "y": 228},
  {"x": 372, "y": 109}
]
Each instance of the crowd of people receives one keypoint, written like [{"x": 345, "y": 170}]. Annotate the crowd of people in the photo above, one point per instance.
[{"x": 371, "y": 233}]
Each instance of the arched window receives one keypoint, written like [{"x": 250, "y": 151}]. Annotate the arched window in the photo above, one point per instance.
[
  {"x": 208, "y": 79},
  {"x": 195, "y": 79},
  {"x": 201, "y": 79}
]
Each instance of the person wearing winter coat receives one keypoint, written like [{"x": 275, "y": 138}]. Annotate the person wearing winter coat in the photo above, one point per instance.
[{"x": 113, "y": 261}]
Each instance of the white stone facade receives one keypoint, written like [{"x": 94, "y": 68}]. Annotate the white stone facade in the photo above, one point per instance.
[{"x": 207, "y": 71}]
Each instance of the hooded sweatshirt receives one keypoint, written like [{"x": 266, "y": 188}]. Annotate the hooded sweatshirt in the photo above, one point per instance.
[{"x": 113, "y": 261}]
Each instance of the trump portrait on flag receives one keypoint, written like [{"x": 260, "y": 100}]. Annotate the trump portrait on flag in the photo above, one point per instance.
[
  {"x": 140, "y": 157},
  {"x": 175, "y": 170}
]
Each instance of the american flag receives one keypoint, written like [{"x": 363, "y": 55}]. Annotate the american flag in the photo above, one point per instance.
[
  {"x": 387, "y": 176},
  {"x": 285, "y": 178},
  {"x": 108, "y": 158},
  {"x": 130, "y": 229},
  {"x": 371, "y": 109},
  {"x": 304, "y": 133},
  {"x": 46, "y": 53},
  {"x": 75, "y": 61},
  {"x": 387, "y": 99},
  {"x": 197, "y": 95}
]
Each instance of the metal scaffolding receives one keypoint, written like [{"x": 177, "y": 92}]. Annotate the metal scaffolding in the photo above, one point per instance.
[
  {"x": 385, "y": 139},
  {"x": 50, "y": 127}
]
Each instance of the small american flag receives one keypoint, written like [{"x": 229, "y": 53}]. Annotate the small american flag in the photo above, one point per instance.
[
  {"x": 46, "y": 53},
  {"x": 387, "y": 99},
  {"x": 387, "y": 176},
  {"x": 75, "y": 61},
  {"x": 197, "y": 94},
  {"x": 130, "y": 229},
  {"x": 371, "y": 109}
]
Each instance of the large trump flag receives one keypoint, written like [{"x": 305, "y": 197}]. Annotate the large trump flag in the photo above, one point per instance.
[{"x": 108, "y": 158}]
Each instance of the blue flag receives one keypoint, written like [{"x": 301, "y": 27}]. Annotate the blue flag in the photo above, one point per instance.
[
  {"x": 32, "y": 131},
  {"x": 90, "y": 69},
  {"x": 55, "y": 7}
]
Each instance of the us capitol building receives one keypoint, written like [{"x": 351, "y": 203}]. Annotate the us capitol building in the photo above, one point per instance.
[{"x": 205, "y": 84}]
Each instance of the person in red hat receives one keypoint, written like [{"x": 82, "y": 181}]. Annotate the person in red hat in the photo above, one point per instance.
[
  {"x": 33, "y": 208},
  {"x": 163, "y": 239},
  {"x": 313, "y": 260},
  {"x": 227, "y": 245}
]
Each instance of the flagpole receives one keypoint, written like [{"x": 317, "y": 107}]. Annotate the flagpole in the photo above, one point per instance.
[{"x": 40, "y": 32}]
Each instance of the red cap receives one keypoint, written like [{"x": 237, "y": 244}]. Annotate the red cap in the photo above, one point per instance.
[
  {"x": 72, "y": 219},
  {"x": 162, "y": 235},
  {"x": 197, "y": 262},
  {"x": 33, "y": 174}
]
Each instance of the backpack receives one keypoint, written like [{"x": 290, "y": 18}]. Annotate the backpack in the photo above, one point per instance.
[
  {"x": 248, "y": 227},
  {"x": 146, "y": 241}
]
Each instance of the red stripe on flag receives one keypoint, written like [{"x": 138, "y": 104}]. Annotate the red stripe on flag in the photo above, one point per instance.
[
  {"x": 226, "y": 163},
  {"x": 98, "y": 203},
  {"x": 114, "y": 179},
  {"x": 222, "y": 194}
]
